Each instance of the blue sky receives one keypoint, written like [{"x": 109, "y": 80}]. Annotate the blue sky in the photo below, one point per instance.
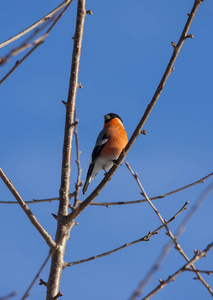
[{"x": 126, "y": 47}]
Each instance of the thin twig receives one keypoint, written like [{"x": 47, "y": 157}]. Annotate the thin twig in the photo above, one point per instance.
[
  {"x": 140, "y": 125},
  {"x": 42, "y": 20},
  {"x": 178, "y": 232},
  {"x": 194, "y": 208},
  {"x": 174, "y": 239},
  {"x": 59, "y": 16},
  {"x": 26, "y": 43},
  {"x": 152, "y": 198},
  {"x": 37, "y": 275},
  {"x": 30, "y": 202},
  {"x": 47, "y": 237},
  {"x": 143, "y": 239},
  {"x": 196, "y": 257},
  {"x": 79, "y": 183},
  {"x": 13, "y": 294},
  {"x": 115, "y": 203},
  {"x": 36, "y": 44},
  {"x": 201, "y": 271},
  {"x": 18, "y": 62}
]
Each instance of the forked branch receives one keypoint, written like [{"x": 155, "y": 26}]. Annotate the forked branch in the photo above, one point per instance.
[
  {"x": 143, "y": 239},
  {"x": 42, "y": 20},
  {"x": 169, "y": 233},
  {"x": 198, "y": 255},
  {"x": 35, "y": 45},
  {"x": 178, "y": 232}
]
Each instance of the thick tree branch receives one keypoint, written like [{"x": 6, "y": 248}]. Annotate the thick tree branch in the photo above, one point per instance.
[
  {"x": 196, "y": 257},
  {"x": 63, "y": 229},
  {"x": 47, "y": 237},
  {"x": 140, "y": 125},
  {"x": 42, "y": 20},
  {"x": 70, "y": 112}
]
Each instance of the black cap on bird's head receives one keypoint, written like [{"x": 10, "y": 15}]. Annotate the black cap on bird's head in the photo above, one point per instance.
[{"x": 111, "y": 116}]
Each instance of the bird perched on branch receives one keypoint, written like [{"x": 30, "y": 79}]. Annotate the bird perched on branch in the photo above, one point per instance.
[{"x": 109, "y": 144}]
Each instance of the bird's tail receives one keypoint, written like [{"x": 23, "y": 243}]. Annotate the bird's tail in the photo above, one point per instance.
[
  {"x": 86, "y": 185},
  {"x": 89, "y": 177}
]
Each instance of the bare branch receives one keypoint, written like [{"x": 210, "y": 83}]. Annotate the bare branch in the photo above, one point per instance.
[
  {"x": 194, "y": 208},
  {"x": 201, "y": 271},
  {"x": 178, "y": 232},
  {"x": 42, "y": 20},
  {"x": 13, "y": 294},
  {"x": 30, "y": 202},
  {"x": 70, "y": 111},
  {"x": 25, "y": 44},
  {"x": 18, "y": 62},
  {"x": 79, "y": 183},
  {"x": 107, "y": 204},
  {"x": 140, "y": 125},
  {"x": 174, "y": 239},
  {"x": 143, "y": 239},
  {"x": 47, "y": 237},
  {"x": 37, "y": 275},
  {"x": 36, "y": 44},
  {"x": 196, "y": 257},
  {"x": 152, "y": 198},
  {"x": 135, "y": 175},
  {"x": 63, "y": 229}
]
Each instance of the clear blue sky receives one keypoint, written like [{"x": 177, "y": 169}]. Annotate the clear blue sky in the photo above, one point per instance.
[{"x": 126, "y": 47}]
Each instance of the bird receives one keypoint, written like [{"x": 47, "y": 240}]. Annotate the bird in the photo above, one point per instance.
[{"x": 109, "y": 145}]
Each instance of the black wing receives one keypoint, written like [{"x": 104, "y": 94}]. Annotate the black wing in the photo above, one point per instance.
[{"x": 100, "y": 144}]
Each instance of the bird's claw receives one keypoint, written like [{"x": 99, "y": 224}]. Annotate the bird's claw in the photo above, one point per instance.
[{"x": 115, "y": 162}]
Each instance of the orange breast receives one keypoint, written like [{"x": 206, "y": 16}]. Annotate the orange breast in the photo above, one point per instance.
[{"x": 117, "y": 139}]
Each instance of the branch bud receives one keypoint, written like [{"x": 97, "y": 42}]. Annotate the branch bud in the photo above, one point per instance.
[
  {"x": 173, "y": 44},
  {"x": 89, "y": 12}
]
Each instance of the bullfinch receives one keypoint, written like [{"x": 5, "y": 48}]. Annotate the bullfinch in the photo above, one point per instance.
[{"x": 109, "y": 145}]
